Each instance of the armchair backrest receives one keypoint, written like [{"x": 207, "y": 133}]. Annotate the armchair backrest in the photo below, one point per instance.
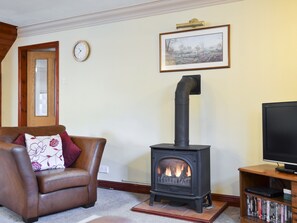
[{"x": 9, "y": 134}]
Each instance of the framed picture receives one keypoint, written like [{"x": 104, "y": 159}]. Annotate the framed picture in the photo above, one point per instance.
[{"x": 196, "y": 49}]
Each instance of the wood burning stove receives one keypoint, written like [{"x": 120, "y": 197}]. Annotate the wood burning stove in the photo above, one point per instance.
[{"x": 181, "y": 172}]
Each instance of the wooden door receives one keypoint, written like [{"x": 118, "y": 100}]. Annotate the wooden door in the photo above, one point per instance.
[{"x": 41, "y": 89}]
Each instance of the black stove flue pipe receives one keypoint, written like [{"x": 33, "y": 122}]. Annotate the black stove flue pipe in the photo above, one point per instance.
[{"x": 187, "y": 86}]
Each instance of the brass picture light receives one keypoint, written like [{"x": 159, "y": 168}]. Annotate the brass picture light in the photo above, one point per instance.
[{"x": 191, "y": 24}]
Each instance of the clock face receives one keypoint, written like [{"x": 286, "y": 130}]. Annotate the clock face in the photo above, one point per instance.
[{"x": 81, "y": 51}]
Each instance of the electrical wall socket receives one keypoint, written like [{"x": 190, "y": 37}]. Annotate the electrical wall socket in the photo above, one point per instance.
[{"x": 103, "y": 169}]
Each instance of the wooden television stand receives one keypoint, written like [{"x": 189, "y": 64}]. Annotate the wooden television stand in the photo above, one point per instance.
[{"x": 265, "y": 175}]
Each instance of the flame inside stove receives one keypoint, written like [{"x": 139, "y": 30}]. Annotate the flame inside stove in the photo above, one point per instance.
[
  {"x": 168, "y": 172},
  {"x": 177, "y": 170},
  {"x": 189, "y": 173},
  {"x": 174, "y": 171}
]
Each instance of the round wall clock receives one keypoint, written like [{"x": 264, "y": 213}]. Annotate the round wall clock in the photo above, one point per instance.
[{"x": 81, "y": 50}]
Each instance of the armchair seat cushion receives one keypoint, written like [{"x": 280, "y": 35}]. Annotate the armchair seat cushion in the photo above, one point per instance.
[{"x": 58, "y": 179}]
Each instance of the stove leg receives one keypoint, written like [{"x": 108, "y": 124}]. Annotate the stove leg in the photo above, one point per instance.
[
  {"x": 152, "y": 199},
  {"x": 209, "y": 200},
  {"x": 199, "y": 205},
  {"x": 202, "y": 202},
  {"x": 158, "y": 198}
]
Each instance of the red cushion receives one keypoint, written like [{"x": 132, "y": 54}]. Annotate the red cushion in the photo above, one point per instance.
[
  {"x": 70, "y": 151},
  {"x": 20, "y": 140}
]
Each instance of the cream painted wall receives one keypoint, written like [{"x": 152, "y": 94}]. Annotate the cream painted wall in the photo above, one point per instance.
[{"x": 118, "y": 93}]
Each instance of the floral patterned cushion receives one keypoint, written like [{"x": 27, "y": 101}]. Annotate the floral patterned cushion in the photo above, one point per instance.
[{"x": 45, "y": 152}]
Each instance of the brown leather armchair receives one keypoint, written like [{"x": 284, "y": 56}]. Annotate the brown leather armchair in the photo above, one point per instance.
[{"x": 33, "y": 194}]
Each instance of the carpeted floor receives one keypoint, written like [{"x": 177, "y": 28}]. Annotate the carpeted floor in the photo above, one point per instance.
[{"x": 113, "y": 202}]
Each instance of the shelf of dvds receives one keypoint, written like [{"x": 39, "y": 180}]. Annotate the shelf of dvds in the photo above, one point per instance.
[{"x": 257, "y": 208}]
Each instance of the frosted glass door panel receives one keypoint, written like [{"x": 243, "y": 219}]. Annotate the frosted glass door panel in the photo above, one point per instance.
[{"x": 41, "y": 90}]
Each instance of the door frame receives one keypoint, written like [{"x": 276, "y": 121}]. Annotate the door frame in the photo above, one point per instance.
[{"x": 22, "y": 79}]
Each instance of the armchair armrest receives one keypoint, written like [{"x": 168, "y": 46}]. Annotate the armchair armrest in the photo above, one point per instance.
[
  {"x": 92, "y": 151},
  {"x": 18, "y": 184},
  {"x": 90, "y": 159}
]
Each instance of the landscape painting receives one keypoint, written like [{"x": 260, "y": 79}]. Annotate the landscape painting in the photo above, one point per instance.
[{"x": 204, "y": 48}]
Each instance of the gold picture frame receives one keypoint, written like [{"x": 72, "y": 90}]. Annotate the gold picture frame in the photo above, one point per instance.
[{"x": 195, "y": 49}]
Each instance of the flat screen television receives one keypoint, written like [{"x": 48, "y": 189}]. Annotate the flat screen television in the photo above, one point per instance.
[{"x": 280, "y": 133}]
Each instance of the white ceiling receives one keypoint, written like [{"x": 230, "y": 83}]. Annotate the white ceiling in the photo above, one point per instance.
[
  {"x": 30, "y": 12},
  {"x": 40, "y": 16}
]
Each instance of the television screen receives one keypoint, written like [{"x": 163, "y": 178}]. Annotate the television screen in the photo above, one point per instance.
[{"x": 280, "y": 132}]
